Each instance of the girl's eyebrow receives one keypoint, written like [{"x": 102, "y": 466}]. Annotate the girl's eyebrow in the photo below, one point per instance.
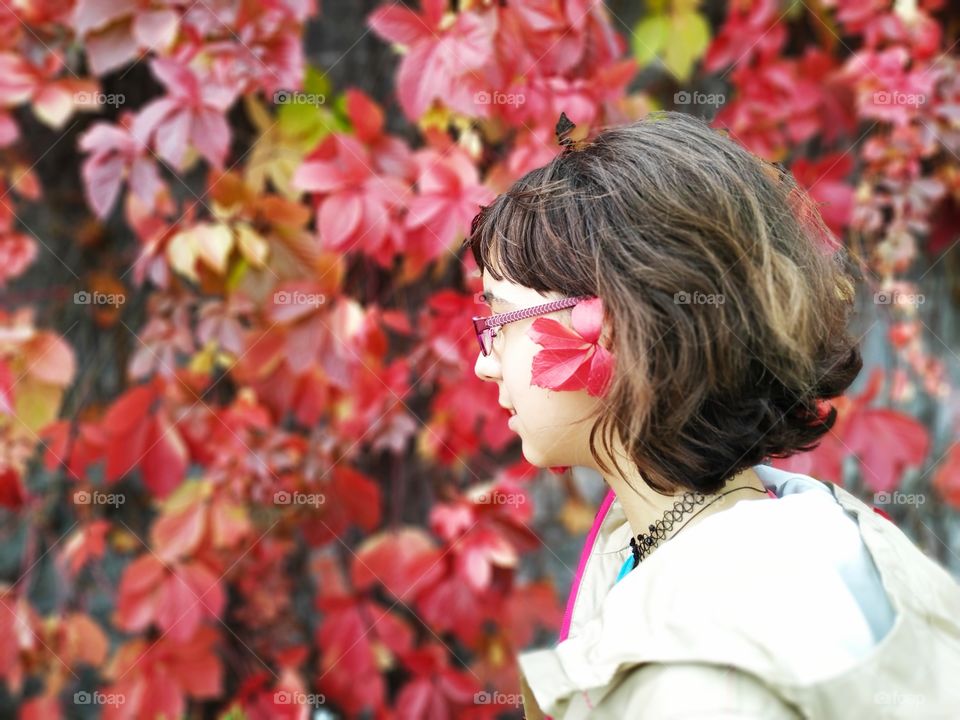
[{"x": 489, "y": 298}]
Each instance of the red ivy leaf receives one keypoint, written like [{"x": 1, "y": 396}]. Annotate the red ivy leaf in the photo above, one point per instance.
[
  {"x": 947, "y": 479},
  {"x": 572, "y": 359},
  {"x": 13, "y": 495},
  {"x": 886, "y": 441}
]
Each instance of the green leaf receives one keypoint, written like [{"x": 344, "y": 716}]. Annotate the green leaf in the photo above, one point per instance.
[
  {"x": 316, "y": 81},
  {"x": 238, "y": 270},
  {"x": 689, "y": 40},
  {"x": 649, "y": 38},
  {"x": 308, "y": 123}
]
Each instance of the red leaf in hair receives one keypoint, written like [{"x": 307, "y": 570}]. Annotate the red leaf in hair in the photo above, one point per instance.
[{"x": 572, "y": 358}]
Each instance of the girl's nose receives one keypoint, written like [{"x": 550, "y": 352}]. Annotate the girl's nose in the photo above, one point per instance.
[{"x": 487, "y": 367}]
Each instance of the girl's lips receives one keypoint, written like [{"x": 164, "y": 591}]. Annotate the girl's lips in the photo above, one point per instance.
[{"x": 510, "y": 422}]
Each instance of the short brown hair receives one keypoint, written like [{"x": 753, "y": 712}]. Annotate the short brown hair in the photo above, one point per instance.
[{"x": 669, "y": 209}]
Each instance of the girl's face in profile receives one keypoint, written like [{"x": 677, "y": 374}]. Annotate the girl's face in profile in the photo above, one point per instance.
[{"x": 554, "y": 426}]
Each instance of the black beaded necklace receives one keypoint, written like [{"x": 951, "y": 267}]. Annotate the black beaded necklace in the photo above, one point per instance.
[{"x": 644, "y": 543}]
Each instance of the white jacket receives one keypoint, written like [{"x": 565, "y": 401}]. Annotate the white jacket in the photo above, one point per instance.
[{"x": 810, "y": 605}]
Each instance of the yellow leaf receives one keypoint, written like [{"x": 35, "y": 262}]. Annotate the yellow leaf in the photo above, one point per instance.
[
  {"x": 191, "y": 491},
  {"x": 436, "y": 117},
  {"x": 230, "y": 522},
  {"x": 182, "y": 254},
  {"x": 681, "y": 7},
  {"x": 205, "y": 359},
  {"x": 689, "y": 39},
  {"x": 649, "y": 38},
  {"x": 284, "y": 140},
  {"x": 216, "y": 242},
  {"x": 210, "y": 242},
  {"x": 253, "y": 247},
  {"x": 36, "y": 403},
  {"x": 257, "y": 113},
  {"x": 124, "y": 542},
  {"x": 47, "y": 358}
]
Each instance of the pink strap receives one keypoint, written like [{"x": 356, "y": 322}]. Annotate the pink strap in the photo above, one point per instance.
[{"x": 584, "y": 556}]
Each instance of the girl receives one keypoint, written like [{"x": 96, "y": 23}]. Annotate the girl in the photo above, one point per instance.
[{"x": 671, "y": 311}]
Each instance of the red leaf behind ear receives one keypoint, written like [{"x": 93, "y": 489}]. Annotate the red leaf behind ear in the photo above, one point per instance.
[
  {"x": 554, "y": 335},
  {"x": 587, "y": 319},
  {"x": 572, "y": 359},
  {"x": 601, "y": 371},
  {"x": 559, "y": 369}
]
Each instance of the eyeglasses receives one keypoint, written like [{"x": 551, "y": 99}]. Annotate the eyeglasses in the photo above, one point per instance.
[{"x": 487, "y": 327}]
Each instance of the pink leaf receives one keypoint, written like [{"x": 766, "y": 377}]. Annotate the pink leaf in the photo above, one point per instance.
[
  {"x": 317, "y": 176},
  {"x": 210, "y": 135},
  {"x": 150, "y": 117},
  {"x": 339, "y": 218},
  {"x": 156, "y": 28},
  {"x": 887, "y": 442},
  {"x": 365, "y": 115},
  {"x": 17, "y": 80},
  {"x": 110, "y": 49},
  {"x": 176, "y": 77},
  {"x": 171, "y": 138},
  {"x": 102, "y": 177},
  {"x": 95, "y": 14},
  {"x": 164, "y": 463},
  {"x": 587, "y": 319},
  {"x": 179, "y": 611},
  {"x": 145, "y": 180},
  {"x": 398, "y": 25}
]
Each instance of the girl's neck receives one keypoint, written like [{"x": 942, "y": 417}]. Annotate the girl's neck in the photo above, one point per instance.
[{"x": 644, "y": 507}]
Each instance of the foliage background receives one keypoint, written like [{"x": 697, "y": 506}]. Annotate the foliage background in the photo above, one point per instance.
[{"x": 245, "y": 468}]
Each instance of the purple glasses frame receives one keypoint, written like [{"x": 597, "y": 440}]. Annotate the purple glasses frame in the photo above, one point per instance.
[{"x": 487, "y": 326}]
